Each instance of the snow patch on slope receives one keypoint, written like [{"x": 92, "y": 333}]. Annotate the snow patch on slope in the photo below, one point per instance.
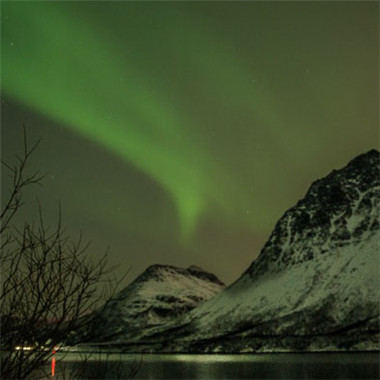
[
  {"x": 303, "y": 286},
  {"x": 157, "y": 296}
]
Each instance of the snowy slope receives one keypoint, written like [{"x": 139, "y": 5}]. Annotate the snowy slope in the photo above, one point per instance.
[
  {"x": 315, "y": 285},
  {"x": 157, "y": 296},
  {"x": 316, "y": 297}
]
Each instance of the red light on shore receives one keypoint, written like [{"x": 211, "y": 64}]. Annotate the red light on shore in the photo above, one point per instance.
[{"x": 53, "y": 367}]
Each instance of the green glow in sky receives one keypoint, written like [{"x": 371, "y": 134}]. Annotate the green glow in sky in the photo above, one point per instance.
[
  {"x": 67, "y": 70},
  {"x": 105, "y": 99},
  {"x": 231, "y": 108}
]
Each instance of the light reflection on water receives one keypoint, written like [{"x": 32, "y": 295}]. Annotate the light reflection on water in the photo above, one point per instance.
[
  {"x": 53, "y": 366},
  {"x": 259, "y": 366}
]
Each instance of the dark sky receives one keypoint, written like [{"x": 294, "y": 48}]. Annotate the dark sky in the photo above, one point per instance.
[{"x": 179, "y": 132}]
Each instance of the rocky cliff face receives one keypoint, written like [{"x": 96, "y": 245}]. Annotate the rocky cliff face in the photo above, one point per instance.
[
  {"x": 314, "y": 286},
  {"x": 160, "y": 294},
  {"x": 339, "y": 210}
]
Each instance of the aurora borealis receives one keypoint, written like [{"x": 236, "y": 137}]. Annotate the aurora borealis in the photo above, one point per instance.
[{"x": 179, "y": 132}]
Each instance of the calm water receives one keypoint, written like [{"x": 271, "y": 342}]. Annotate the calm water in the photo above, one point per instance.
[{"x": 259, "y": 366}]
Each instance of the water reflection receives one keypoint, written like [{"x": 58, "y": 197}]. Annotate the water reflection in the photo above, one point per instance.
[
  {"x": 262, "y": 366},
  {"x": 53, "y": 366}
]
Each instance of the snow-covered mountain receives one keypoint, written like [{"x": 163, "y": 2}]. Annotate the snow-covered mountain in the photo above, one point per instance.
[
  {"x": 314, "y": 286},
  {"x": 160, "y": 294}
]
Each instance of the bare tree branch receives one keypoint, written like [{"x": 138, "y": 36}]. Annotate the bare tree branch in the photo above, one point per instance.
[{"x": 49, "y": 284}]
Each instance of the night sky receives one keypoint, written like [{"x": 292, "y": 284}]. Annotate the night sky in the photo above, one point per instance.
[{"x": 180, "y": 132}]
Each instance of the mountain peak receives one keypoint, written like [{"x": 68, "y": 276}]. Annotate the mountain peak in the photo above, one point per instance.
[
  {"x": 161, "y": 272},
  {"x": 313, "y": 287},
  {"x": 160, "y": 294},
  {"x": 315, "y": 283},
  {"x": 339, "y": 209}
]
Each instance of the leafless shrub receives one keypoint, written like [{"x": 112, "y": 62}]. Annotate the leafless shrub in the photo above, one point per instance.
[{"x": 49, "y": 284}]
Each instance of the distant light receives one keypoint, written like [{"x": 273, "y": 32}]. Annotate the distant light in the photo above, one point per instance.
[
  {"x": 24, "y": 348},
  {"x": 53, "y": 366}
]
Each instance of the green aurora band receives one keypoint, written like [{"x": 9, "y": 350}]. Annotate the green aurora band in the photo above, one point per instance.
[
  {"x": 110, "y": 101},
  {"x": 71, "y": 68}
]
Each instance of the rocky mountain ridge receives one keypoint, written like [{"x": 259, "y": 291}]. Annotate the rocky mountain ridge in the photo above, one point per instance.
[
  {"x": 315, "y": 285},
  {"x": 338, "y": 210},
  {"x": 160, "y": 294}
]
